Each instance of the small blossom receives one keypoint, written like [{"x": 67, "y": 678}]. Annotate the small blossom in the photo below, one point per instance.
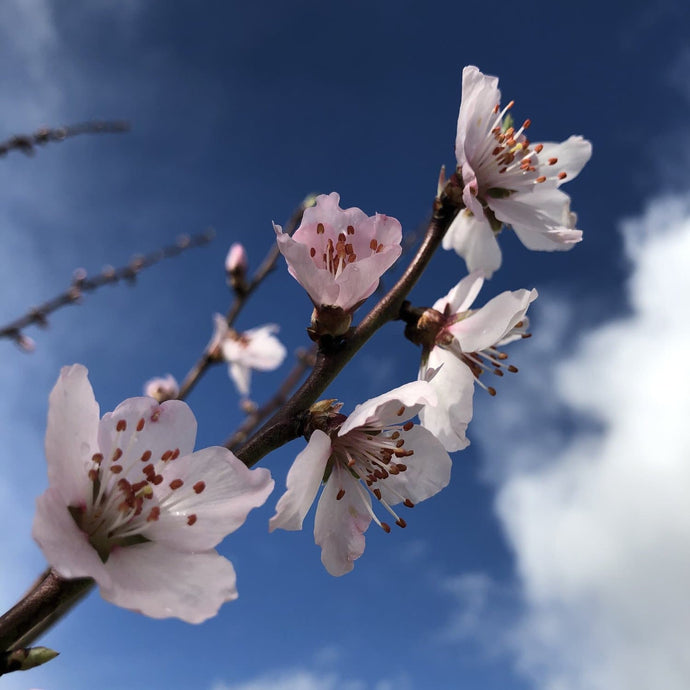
[
  {"x": 236, "y": 260},
  {"x": 465, "y": 344},
  {"x": 375, "y": 451},
  {"x": 507, "y": 180},
  {"x": 256, "y": 348},
  {"x": 162, "y": 388},
  {"x": 131, "y": 506},
  {"x": 338, "y": 255}
]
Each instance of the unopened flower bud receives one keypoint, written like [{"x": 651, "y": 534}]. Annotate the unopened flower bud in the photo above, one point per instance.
[
  {"x": 162, "y": 389},
  {"x": 24, "y": 659},
  {"x": 236, "y": 267},
  {"x": 25, "y": 343}
]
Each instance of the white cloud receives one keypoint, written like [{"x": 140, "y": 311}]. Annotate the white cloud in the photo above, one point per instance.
[{"x": 599, "y": 517}]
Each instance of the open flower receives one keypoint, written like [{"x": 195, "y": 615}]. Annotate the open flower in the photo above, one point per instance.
[
  {"x": 464, "y": 345},
  {"x": 256, "y": 348},
  {"x": 506, "y": 180},
  {"x": 338, "y": 255},
  {"x": 376, "y": 451},
  {"x": 131, "y": 506}
]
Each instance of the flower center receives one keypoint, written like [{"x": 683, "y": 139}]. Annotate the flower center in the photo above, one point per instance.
[
  {"x": 127, "y": 492},
  {"x": 372, "y": 454}
]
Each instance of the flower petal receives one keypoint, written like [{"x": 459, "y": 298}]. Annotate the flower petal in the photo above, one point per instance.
[
  {"x": 454, "y": 386},
  {"x": 385, "y": 409},
  {"x": 303, "y": 482},
  {"x": 160, "y": 582},
  {"x": 428, "y": 469},
  {"x": 64, "y": 545},
  {"x": 241, "y": 376},
  {"x": 72, "y": 433},
  {"x": 486, "y": 326},
  {"x": 461, "y": 297},
  {"x": 340, "y": 524},
  {"x": 473, "y": 239},
  {"x": 165, "y": 427},
  {"x": 218, "y": 489}
]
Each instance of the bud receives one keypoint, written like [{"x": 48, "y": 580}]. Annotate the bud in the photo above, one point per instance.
[
  {"x": 25, "y": 343},
  {"x": 236, "y": 267},
  {"x": 24, "y": 659},
  {"x": 162, "y": 389}
]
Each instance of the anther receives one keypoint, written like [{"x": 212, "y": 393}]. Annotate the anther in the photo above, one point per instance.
[
  {"x": 350, "y": 230},
  {"x": 175, "y": 454},
  {"x": 400, "y": 443},
  {"x": 401, "y": 411},
  {"x": 176, "y": 484},
  {"x": 541, "y": 178},
  {"x": 386, "y": 527},
  {"x": 312, "y": 252},
  {"x": 97, "y": 458},
  {"x": 538, "y": 148},
  {"x": 140, "y": 424},
  {"x": 320, "y": 229},
  {"x": 157, "y": 479},
  {"x": 340, "y": 494},
  {"x": 408, "y": 425},
  {"x": 377, "y": 493},
  {"x": 154, "y": 514},
  {"x": 199, "y": 487},
  {"x": 407, "y": 502},
  {"x": 191, "y": 519},
  {"x": 553, "y": 161},
  {"x": 526, "y": 123},
  {"x": 562, "y": 175},
  {"x": 396, "y": 434},
  {"x": 400, "y": 522},
  {"x": 121, "y": 425},
  {"x": 401, "y": 467},
  {"x": 166, "y": 456},
  {"x": 512, "y": 369},
  {"x": 93, "y": 475},
  {"x": 145, "y": 456},
  {"x": 116, "y": 455},
  {"x": 492, "y": 391}
]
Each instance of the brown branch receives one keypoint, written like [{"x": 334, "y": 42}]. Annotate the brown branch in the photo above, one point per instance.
[
  {"x": 82, "y": 284},
  {"x": 26, "y": 143},
  {"x": 305, "y": 360},
  {"x": 285, "y": 424},
  {"x": 241, "y": 297}
]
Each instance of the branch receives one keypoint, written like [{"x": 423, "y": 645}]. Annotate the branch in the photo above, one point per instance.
[
  {"x": 26, "y": 143},
  {"x": 81, "y": 284},
  {"x": 285, "y": 424},
  {"x": 267, "y": 265}
]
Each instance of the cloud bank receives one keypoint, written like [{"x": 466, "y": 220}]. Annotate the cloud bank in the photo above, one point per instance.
[{"x": 598, "y": 513}]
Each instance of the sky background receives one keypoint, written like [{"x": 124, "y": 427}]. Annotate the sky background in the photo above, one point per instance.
[{"x": 558, "y": 558}]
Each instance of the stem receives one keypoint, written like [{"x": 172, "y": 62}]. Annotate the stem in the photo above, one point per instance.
[
  {"x": 47, "y": 601},
  {"x": 284, "y": 426}
]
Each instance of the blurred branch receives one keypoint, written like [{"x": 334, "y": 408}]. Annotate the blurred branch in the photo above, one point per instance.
[
  {"x": 82, "y": 284},
  {"x": 305, "y": 361},
  {"x": 26, "y": 143},
  {"x": 207, "y": 358}
]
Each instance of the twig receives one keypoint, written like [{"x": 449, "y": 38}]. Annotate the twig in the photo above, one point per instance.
[
  {"x": 305, "y": 360},
  {"x": 82, "y": 284},
  {"x": 206, "y": 358},
  {"x": 26, "y": 143}
]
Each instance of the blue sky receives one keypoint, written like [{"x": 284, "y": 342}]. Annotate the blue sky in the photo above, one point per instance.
[{"x": 557, "y": 559}]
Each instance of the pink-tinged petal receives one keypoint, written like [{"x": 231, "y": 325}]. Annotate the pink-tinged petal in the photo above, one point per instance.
[
  {"x": 148, "y": 426},
  {"x": 340, "y": 524},
  {"x": 220, "y": 331},
  {"x": 160, "y": 582},
  {"x": 473, "y": 239},
  {"x": 241, "y": 376},
  {"x": 64, "y": 545},
  {"x": 571, "y": 156},
  {"x": 303, "y": 482},
  {"x": 394, "y": 407},
  {"x": 318, "y": 282},
  {"x": 454, "y": 386},
  {"x": 480, "y": 94},
  {"x": 428, "y": 469},
  {"x": 461, "y": 297},
  {"x": 485, "y": 327},
  {"x": 537, "y": 219},
  {"x": 217, "y": 489},
  {"x": 72, "y": 433}
]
